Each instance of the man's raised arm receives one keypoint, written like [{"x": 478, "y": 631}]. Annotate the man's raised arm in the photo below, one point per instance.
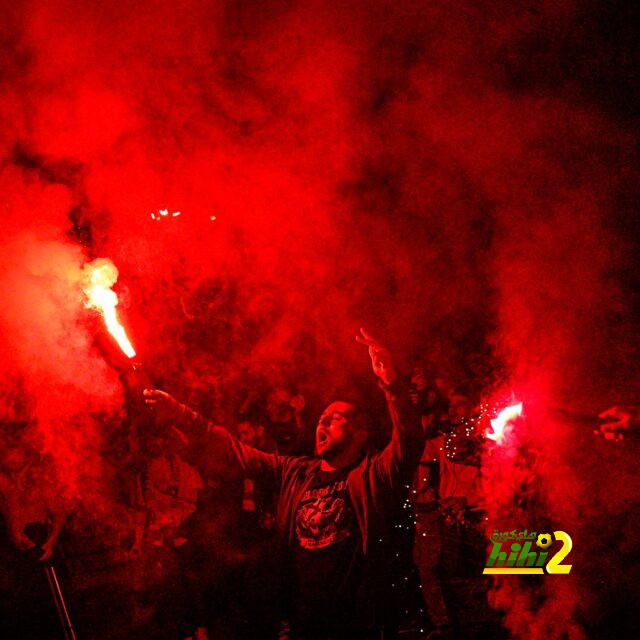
[
  {"x": 396, "y": 463},
  {"x": 251, "y": 462}
]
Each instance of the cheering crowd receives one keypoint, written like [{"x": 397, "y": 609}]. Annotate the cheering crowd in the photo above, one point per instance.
[{"x": 266, "y": 528}]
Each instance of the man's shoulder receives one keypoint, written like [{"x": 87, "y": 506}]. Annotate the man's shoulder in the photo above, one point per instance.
[
  {"x": 301, "y": 461},
  {"x": 364, "y": 465},
  {"x": 369, "y": 457},
  {"x": 299, "y": 464}
]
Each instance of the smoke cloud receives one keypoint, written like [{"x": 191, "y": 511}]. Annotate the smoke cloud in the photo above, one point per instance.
[{"x": 460, "y": 179}]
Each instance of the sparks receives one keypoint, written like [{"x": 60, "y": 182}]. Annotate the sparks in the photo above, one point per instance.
[
  {"x": 101, "y": 275},
  {"x": 499, "y": 424},
  {"x": 164, "y": 213}
]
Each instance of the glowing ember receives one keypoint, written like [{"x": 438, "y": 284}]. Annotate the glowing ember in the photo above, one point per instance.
[
  {"x": 100, "y": 276},
  {"x": 500, "y": 423},
  {"x": 164, "y": 213}
]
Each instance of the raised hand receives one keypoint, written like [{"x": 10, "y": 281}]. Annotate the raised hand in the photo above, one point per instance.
[
  {"x": 22, "y": 541},
  {"x": 48, "y": 549},
  {"x": 297, "y": 403},
  {"x": 619, "y": 420},
  {"x": 380, "y": 357}
]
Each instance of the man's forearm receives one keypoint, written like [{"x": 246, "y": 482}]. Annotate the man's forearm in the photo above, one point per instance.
[
  {"x": 249, "y": 461},
  {"x": 193, "y": 423},
  {"x": 407, "y": 438}
]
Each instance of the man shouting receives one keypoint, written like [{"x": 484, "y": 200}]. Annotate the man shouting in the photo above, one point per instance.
[{"x": 336, "y": 511}]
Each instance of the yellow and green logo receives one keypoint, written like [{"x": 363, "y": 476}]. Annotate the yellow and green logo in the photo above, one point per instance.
[{"x": 520, "y": 559}]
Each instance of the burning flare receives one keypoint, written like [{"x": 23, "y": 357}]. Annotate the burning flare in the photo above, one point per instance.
[
  {"x": 499, "y": 424},
  {"x": 100, "y": 276}
]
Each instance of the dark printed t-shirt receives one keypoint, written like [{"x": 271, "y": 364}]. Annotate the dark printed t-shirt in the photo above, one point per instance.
[{"x": 328, "y": 556}]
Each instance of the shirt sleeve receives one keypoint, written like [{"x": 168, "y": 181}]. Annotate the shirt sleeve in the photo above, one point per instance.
[
  {"x": 240, "y": 457},
  {"x": 395, "y": 465}
]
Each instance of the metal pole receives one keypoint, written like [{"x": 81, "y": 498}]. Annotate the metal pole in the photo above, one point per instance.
[{"x": 58, "y": 598}]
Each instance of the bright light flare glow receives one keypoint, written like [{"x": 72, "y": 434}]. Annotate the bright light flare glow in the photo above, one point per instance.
[
  {"x": 164, "y": 213},
  {"x": 100, "y": 276},
  {"x": 500, "y": 423}
]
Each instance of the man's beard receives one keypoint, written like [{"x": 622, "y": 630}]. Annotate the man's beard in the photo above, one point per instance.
[{"x": 331, "y": 449}]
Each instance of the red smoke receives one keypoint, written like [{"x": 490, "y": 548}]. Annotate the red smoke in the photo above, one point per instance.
[{"x": 459, "y": 177}]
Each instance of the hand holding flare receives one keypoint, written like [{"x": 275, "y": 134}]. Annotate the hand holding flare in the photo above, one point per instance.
[{"x": 167, "y": 407}]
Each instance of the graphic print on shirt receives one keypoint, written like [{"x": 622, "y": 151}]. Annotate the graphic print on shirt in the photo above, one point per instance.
[{"x": 324, "y": 516}]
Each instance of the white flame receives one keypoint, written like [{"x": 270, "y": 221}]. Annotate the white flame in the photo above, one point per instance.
[
  {"x": 499, "y": 424},
  {"x": 101, "y": 275}
]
